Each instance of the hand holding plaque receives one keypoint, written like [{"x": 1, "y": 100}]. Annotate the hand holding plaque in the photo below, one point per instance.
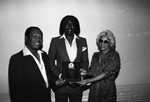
[
  {"x": 71, "y": 72},
  {"x": 60, "y": 82}
]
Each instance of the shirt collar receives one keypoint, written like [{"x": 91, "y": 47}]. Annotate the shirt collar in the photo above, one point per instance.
[
  {"x": 75, "y": 37},
  {"x": 27, "y": 52}
]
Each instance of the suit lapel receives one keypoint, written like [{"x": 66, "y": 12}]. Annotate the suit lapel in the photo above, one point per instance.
[
  {"x": 79, "y": 48},
  {"x": 63, "y": 49},
  {"x": 46, "y": 63},
  {"x": 30, "y": 62}
]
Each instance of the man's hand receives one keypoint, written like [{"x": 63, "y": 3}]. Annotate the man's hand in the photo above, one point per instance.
[
  {"x": 83, "y": 72},
  {"x": 60, "y": 82}
]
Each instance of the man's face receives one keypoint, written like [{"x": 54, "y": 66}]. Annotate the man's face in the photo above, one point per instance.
[
  {"x": 69, "y": 28},
  {"x": 35, "y": 40}
]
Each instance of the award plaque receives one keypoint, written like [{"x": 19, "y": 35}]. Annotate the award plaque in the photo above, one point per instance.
[{"x": 71, "y": 72}]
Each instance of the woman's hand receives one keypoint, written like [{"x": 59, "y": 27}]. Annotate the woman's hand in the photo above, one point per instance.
[{"x": 83, "y": 82}]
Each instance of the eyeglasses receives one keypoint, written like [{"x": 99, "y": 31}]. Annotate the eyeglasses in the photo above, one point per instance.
[{"x": 104, "y": 41}]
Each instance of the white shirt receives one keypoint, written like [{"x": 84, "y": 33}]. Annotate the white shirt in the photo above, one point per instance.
[
  {"x": 40, "y": 63},
  {"x": 71, "y": 49}
]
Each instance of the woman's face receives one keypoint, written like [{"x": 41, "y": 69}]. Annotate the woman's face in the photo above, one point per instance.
[
  {"x": 104, "y": 43},
  {"x": 69, "y": 27}
]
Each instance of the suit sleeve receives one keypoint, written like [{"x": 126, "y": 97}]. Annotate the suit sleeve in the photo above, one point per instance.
[
  {"x": 16, "y": 84},
  {"x": 52, "y": 57},
  {"x": 85, "y": 59}
]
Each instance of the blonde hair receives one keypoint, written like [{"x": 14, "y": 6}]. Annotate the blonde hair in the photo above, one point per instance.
[{"x": 110, "y": 36}]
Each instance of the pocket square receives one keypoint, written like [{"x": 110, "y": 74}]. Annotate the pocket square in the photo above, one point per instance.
[{"x": 84, "y": 48}]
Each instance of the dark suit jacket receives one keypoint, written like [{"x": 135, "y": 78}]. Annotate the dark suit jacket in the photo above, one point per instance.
[
  {"x": 58, "y": 52},
  {"x": 26, "y": 83}
]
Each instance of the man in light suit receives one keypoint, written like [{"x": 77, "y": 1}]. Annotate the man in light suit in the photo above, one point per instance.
[
  {"x": 68, "y": 47},
  {"x": 29, "y": 71}
]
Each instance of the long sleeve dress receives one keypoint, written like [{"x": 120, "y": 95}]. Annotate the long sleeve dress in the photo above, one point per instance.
[{"x": 104, "y": 90}]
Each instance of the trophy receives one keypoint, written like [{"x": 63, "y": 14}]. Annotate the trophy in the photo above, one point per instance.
[{"x": 71, "y": 72}]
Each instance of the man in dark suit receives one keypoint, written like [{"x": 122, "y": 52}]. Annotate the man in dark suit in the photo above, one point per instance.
[
  {"x": 68, "y": 47},
  {"x": 29, "y": 71}
]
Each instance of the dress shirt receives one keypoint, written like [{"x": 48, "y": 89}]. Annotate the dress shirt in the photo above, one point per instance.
[
  {"x": 40, "y": 63},
  {"x": 71, "y": 49}
]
